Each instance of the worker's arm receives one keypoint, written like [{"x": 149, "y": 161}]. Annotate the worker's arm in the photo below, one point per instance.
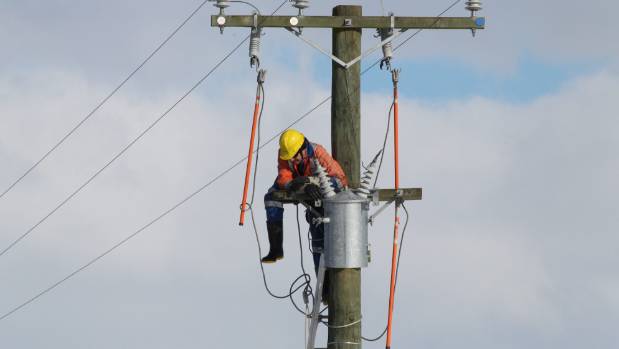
[{"x": 284, "y": 174}]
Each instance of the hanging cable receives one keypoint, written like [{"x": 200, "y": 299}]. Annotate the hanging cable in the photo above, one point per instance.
[
  {"x": 306, "y": 285},
  {"x": 396, "y": 151},
  {"x": 405, "y": 41},
  {"x": 119, "y": 154},
  {"x": 203, "y": 187},
  {"x": 134, "y": 141},
  {"x": 108, "y": 97}
]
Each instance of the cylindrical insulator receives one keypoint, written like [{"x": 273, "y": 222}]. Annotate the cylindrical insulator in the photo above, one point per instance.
[
  {"x": 388, "y": 47},
  {"x": 326, "y": 189},
  {"x": 367, "y": 177},
  {"x": 254, "y": 47},
  {"x": 473, "y": 6}
]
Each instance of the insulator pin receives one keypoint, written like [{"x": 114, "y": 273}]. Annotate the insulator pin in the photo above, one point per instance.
[
  {"x": 221, "y": 5},
  {"x": 473, "y": 6}
]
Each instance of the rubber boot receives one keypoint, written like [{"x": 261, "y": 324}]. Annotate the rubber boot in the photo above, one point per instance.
[{"x": 276, "y": 241}]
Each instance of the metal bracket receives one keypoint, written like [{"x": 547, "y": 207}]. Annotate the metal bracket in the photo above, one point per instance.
[
  {"x": 379, "y": 211},
  {"x": 398, "y": 199},
  {"x": 312, "y": 210},
  {"x": 345, "y": 65}
]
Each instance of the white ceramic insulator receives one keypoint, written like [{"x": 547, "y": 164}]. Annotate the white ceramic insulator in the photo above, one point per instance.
[
  {"x": 222, "y": 4},
  {"x": 326, "y": 189},
  {"x": 367, "y": 177},
  {"x": 388, "y": 47},
  {"x": 254, "y": 47},
  {"x": 301, "y": 4},
  {"x": 473, "y": 6}
]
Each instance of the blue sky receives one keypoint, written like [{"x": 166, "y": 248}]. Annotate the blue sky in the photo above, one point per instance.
[{"x": 440, "y": 78}]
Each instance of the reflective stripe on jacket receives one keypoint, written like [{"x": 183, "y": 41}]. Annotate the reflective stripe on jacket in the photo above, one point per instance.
[{"x": 287, "y": 170}]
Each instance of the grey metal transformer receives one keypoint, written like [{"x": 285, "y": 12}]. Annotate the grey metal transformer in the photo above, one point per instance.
[{"x": 346, "y": 231}]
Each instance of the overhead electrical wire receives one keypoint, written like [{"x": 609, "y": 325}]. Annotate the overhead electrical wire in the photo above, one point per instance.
[
  {"x": 134, "y": 141},
  {"x": 104, "y": 100},
  {"x": 196, "y": 192}
]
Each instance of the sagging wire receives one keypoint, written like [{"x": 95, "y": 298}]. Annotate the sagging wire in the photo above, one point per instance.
[
  {"x": 305, "y": 277},
  {"x": 103, "y": 101},
  {"x": 382, "y": 154},
  {"x": 209, "y": 182}
]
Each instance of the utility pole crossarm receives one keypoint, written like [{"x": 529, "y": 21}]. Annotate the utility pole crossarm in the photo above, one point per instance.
[
  {"x": 383, "y": 195},
  {"x": 349, "y": 22}
]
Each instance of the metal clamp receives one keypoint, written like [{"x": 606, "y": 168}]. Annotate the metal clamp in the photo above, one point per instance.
[{"x": 398, "y": 199}]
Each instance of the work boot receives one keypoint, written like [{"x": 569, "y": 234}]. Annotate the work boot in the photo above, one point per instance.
[{"x": 276, "y": 241}]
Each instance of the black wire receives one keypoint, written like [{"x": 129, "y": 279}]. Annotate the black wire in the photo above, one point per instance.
[
  {"x": 119, "y": 154},
  {"x": 382, "y": 152},
  {"x": 165, "y": 213},
  {"x": 381, "y": 159},
  {"x": 135, "y": 140},
  {"x": 110, "y": 95},
  {"x": 410, "y": 37},
  {"x": 306, "y": 277},
  {"x": 187, "y": 198}
]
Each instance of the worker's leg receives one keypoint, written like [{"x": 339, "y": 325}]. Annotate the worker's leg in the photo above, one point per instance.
[
  {"x": 317, "y": 235},
  {"x": 275, "y": 227}
]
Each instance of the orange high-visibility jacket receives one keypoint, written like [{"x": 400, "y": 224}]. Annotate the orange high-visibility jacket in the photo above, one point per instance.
[{"x": 287, "y": 170}]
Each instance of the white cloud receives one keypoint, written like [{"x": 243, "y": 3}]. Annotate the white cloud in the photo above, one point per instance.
[{"x": 514, "y": 242}]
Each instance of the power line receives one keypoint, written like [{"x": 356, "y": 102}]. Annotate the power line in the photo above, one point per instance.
[
  {"x": 119, "y": 154},
  {"x": 110, "y": 95},
  {"x": 158, "y": 218},
  {"x": 135, "y": 140},
  {"x": 196, "y": 192},
  {"x": 168, "y": 211}
]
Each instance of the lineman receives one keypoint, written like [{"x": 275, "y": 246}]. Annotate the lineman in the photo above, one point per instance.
[{"x": 296, "y": 173}]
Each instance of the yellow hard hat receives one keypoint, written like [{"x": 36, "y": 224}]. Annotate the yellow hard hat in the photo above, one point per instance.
[{"x": 289, "y": 144}]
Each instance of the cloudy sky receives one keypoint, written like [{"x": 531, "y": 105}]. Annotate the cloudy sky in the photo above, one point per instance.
[{"x": 512, "y": 135}]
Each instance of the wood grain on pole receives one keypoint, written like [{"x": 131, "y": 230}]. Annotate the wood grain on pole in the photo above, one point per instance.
[{"x": 345, "y": 284}]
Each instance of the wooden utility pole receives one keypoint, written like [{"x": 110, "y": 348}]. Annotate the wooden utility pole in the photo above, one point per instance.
[
  {"x": 347, "y": 23},
  {"x": 345, "y": 284}
]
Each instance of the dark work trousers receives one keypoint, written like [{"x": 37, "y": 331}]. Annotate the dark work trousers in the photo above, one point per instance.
[{"x": 275, "y": 214}]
